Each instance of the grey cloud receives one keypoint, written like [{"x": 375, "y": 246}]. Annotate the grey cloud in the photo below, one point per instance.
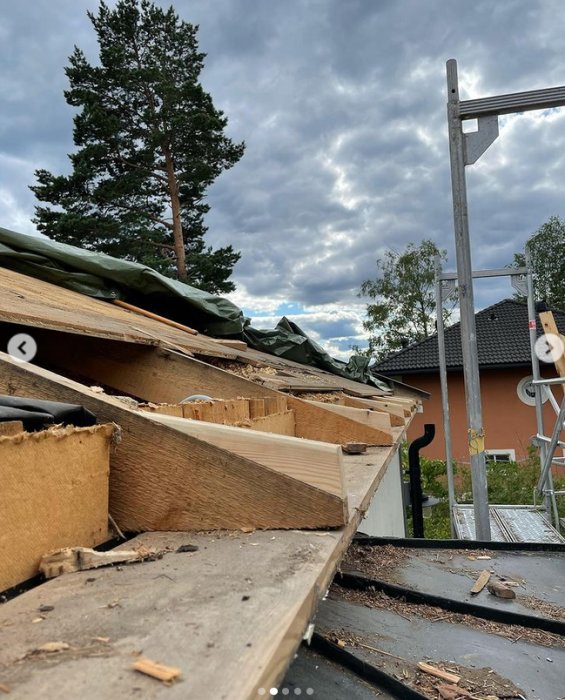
[{"x": 342, "y": 107}]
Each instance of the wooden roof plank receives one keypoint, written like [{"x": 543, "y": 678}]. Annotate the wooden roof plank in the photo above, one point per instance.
[{"x": 164, "y": 479}]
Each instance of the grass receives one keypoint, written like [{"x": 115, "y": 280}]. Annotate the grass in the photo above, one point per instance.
[{"x": 509, "y": 483}]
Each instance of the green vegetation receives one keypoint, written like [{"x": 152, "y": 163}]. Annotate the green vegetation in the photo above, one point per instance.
[
  {"x": 509, "y": 483},
  {"x": 402, "y": 310},
  {"x": 546, "y": 247}
]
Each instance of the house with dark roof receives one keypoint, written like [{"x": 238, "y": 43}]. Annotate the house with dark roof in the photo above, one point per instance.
[{"x": 505, "y": 371}]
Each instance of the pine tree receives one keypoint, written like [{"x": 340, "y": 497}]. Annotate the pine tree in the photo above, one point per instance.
[{"x": 149, "y": 143}]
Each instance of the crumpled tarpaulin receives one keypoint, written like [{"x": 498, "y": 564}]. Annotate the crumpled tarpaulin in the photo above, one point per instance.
[
  {"x": 288, "y": 340},
  {"x": 104, "y": 277}
]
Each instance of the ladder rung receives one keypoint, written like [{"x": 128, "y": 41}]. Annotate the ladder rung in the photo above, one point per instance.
[{"x": 515, "y": 102}]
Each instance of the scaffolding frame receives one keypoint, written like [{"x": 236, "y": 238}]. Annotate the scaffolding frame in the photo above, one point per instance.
[
  {"x": 465, "y": 149},
  {"x": 522, "y": 280}
]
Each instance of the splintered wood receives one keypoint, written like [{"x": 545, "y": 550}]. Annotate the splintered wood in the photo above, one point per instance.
[
  {"x": 71, "y": 559},
  {"x": 439, "y": 673},
  {"x": 54, "y": 494},
  {"x": 481, "y": 582},
  {"x": 267, "y": 415}
]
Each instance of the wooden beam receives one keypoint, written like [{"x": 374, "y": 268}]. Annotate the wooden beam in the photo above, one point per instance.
[
  {"x": 228, "y": 411},
  {"x": 231, "y": 412},
  {"x": 361, "y": 415},
  {"x": 148, "y": 373},
  {"x": 396, "y": 421},
  {"x": 280, "y": 423},
  {"x": 162, "y": 478},
  {"x": 549, "y": 326},
  {"x": 154, "y": 317},
  {"x": 316, "y": 463},
  {"x": 54, "y": 494},
  {"x": 239, "y": 345},
  {"x": 395, "y": 410},
  {"x": 317, "y": 423},
  {"x": 284, "y": 575}
]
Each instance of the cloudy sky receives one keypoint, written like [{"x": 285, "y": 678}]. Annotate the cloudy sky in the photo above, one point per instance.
[{"x": 342, "y": 106}]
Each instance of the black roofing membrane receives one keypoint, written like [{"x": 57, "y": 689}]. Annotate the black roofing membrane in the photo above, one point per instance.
[
  {"x": 451, "y": 574},
  {"x": 327, "y": 680},
  {"x": 536, "y": 670}
]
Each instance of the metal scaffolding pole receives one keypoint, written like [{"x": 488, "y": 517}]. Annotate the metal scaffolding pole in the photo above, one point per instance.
[
  {"x": 444, "y": 393},
  {"x": 536, "y": 376},
  {"x": 457, "y": 152},
  {"x": 465, "y": 149}
]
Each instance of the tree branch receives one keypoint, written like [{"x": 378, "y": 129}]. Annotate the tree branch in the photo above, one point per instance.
[
  {"x": 161, "y": 178},
  {"x": 149, "y": 215}
]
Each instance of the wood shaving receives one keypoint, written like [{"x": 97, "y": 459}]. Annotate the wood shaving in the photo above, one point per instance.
[
  {"x": 379, "y": 600},
  {"x": 478, "y": 683}
]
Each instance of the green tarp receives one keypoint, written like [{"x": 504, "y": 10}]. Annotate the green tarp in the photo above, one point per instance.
[{"x": 104, "y": 277}]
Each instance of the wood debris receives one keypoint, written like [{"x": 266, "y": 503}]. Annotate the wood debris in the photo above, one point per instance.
[
  {"x": 481, "y": 582},
  {"x": 354, "y": 448},
  {"x": 438, "y": 672},
  {"x": 50, "y": 648},
  {"x": 166, "y": 674},
  {"x": 379, "y": 600},
  {"x": 452, "y": 692},
  {"x": 501, "y": 590},
  {"x": 4, "y": 688},
  {"x": 71, "y": 559}
]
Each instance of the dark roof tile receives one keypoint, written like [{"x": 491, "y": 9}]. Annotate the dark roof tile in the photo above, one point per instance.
[{"x": 502, "y": 338}]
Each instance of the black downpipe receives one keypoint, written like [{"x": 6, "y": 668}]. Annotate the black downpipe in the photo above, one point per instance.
[{"x": 416, "y": 477}]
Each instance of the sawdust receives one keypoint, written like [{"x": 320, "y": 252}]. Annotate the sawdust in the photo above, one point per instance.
[
  {"x": 481, "y": 683},
  {"x": 379, "y": 600},
  {"x": 381, "y": 562},
  {"x": 326, "y": 397},
  {"x": 242, "y": 369},
  {"x": 385, "y": 563},
  {"x": 548, "y": 609}
]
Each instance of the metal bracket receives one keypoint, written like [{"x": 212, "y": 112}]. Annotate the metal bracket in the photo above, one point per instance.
[
  {"x": 477, "y": 142},
  {"x": 447, "y": 288},
  {"x": 520, "y": 284}
]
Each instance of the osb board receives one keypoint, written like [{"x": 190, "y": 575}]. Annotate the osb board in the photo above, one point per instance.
[
  {"x": 241, "y": 604},
  {"x": 32, "y": 302},
  {"x": 54, "y": 493}
]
